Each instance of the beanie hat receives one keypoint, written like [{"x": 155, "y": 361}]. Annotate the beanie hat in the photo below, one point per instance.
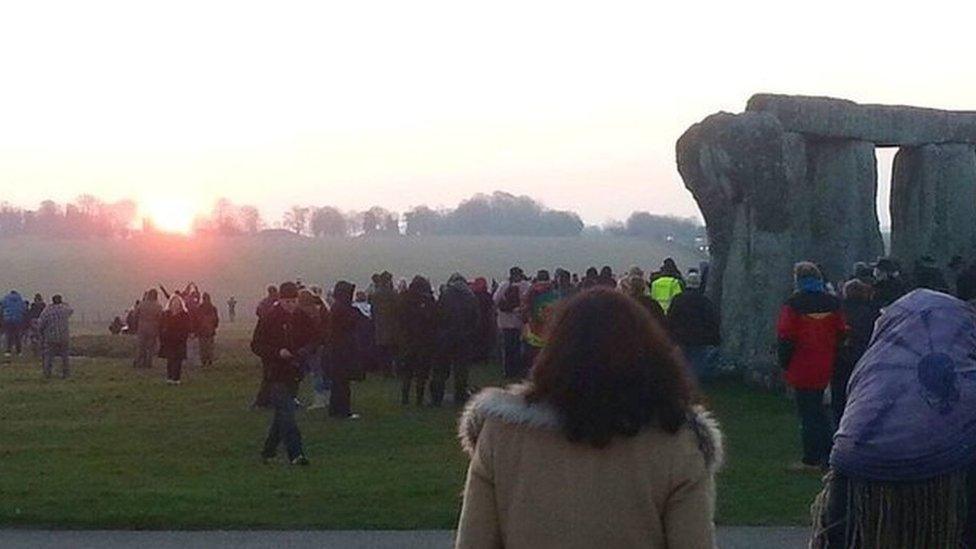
[{"x": 288, "y": 290}]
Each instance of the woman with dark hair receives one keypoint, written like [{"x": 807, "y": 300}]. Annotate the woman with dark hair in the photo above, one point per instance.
[{"x": 603, "y": 447}]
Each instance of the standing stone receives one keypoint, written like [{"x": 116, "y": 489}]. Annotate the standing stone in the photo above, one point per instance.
[
  {"x": 933, "y": 203},
  {"x": 736, "y": 168},
  {"x": 842, "y": 181}
]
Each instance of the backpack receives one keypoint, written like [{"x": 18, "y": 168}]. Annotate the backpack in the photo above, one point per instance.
[{"x": 511, "y": 300}]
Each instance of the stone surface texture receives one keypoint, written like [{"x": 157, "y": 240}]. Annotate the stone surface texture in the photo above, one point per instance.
[{"x": 933, "y": 202}]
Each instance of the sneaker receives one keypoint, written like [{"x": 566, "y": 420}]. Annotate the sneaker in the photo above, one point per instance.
[
  {"x": 300, "y": 460},
  {"x": 804, "y": 468},
  {"x": 353, "y": 416}
]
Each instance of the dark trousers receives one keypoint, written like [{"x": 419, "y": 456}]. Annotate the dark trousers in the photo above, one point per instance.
[
  {"x": 52, "y": 350},
  {"x": 174, "y": 367},
  {"x": 340, "y": 400},
  {"x": 283, "y": 428},
  {"x": 458, "y": 366},
  {"x": 263, "y": 398},
  {"x": 815, "y": 428},
  {"x": 413, "y": 368},
  {"x": 384, "y": 359},
  {"x": 512, "y": 362},
  {"x": 14, "y": 336},
  {"x": 529, "y": 352}
]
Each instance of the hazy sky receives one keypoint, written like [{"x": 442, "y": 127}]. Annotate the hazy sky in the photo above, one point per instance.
[{"x": 404, "y": 103}]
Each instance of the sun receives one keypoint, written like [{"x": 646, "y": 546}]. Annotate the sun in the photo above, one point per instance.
[{"x": 171, "y": 215}]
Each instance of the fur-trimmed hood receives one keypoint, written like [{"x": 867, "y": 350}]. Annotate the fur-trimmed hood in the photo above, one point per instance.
[{"x": 509, "y": 406}]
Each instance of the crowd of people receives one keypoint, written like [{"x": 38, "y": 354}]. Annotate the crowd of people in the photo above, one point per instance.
[
  {"x": 611, "y": 364},
  {"x": 43, "y": 326},
  {"x": 426, "y": 338}
]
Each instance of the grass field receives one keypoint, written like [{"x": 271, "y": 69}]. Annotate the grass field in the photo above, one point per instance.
[
  {"x": 101, "y": 278},
  {"x": 113, "y": 447}
]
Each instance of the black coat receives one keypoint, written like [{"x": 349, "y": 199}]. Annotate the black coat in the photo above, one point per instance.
[
  {"x": 458, "y": 316},
  {"x": 692, "y": 319},
  {"x": 276, "y": 330},
  {"x": 417, "y": 322},
  {"x": 344, "y": 352},
  {"x": 174, "y": 330},
  {"x": 860, "y": 316}
]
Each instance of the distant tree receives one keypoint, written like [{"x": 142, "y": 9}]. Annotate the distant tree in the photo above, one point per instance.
[
  {"x": 660, "y": 227},
  {"x": 297, "y": 219},
  {"x": 422, "y": 221},
  {"x": 329, "y": 221},
  {"x": 250, "y": 219},
  {"x": 11, "y": 220}
]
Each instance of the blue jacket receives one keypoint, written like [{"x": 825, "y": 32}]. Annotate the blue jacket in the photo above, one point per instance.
[{"x": 14, "y": 308}]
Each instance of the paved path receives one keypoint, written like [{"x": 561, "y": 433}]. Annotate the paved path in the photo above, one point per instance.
[{"x": 729, "y": 538}]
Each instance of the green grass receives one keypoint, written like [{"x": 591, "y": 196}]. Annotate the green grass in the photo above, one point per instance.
[{"x": 113, "y": 447}]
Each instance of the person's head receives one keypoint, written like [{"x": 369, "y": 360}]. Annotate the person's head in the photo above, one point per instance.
[
  {"x": 634, "y": 270},
  {"x": 693, "y": 280},
  {"x": 375, "y": 279},
  {"x": 317, "y": 291},
  {"x": 306, "y": 299},
  {"x": 591, "y": 272},
  {"x": 606, "y": 272},
  {"x": 38, "y": 298},
  {"x": 457, "y": 280},
  {"x": 206, "y": 298},
  {"x": 858, "y": 290},
  {"x": 480, "y": 285},
  {"x": 288, "y": 296},
  {"x": 886, "y": 269},
  {"x": 152, "y": 295},
  {"x": 669, "y": 267},
  {"x": 343, "y": 292},
  {"x": 272, "y": 291},
  {"x": 610, "y": 370},
  {"x": 56, "y": 299},
  {"x": 176, "y": 305},
  {"x": 806, "y": 270},
  {"x": 633, "y": 286},
  {"x": 515, "y": 274},
  {"x": 360, "y": 296},
  {"x": 420, "y": 285},
  {"x": 542, "y": 276}
]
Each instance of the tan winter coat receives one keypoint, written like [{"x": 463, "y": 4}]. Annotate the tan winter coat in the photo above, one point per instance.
[{"x": 528, "y": 486}]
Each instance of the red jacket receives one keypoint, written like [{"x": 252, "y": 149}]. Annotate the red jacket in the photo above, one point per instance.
[{"x": 811, "y": 327}]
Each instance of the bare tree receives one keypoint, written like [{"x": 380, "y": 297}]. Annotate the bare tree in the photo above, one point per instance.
[{"x": 297, "y": 219}]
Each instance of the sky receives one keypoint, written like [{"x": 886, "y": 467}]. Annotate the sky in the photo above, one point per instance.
[{"x": 398, "y": 104}]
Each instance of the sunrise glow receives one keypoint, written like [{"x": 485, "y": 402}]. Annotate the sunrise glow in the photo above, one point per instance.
[{"x": 170, "y": 215}]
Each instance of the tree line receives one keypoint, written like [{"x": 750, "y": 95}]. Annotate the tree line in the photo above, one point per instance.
[{"x": 498, "y": 214}]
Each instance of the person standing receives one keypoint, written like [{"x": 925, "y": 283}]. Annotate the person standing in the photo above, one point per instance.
[
  {"x": 537, "y": 308},
  {"x": 52, "y": 326},
  {"x": 485, "y": 344},
  {"x": 148, "y": 315},
  {"x": 603, "y": 448},
  {"x": 694, "y": 325},
  {"x": 343, "y": 349},
  {"x": 33, "y": 313},
  {"x": 457, "y": 319},
  {"x": 205, "y": 323},
  {"x": 175, "y": 327},
  {"x": 284, "y": 337},
  {"x": 382, "y": 302},
  {"x": 314, "y": 308},
  {"x": 14, "y": 317},
  {"x": 508, "y": 299},
  {"x": 268, "y": 302},
  {"x": 666, "y": 284},
  {"x": 417, "y": 329},
  {"x": 861, "y": 311},
  {"x": 232, "y": 309},
  {"x": 811, "y": 327}
]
